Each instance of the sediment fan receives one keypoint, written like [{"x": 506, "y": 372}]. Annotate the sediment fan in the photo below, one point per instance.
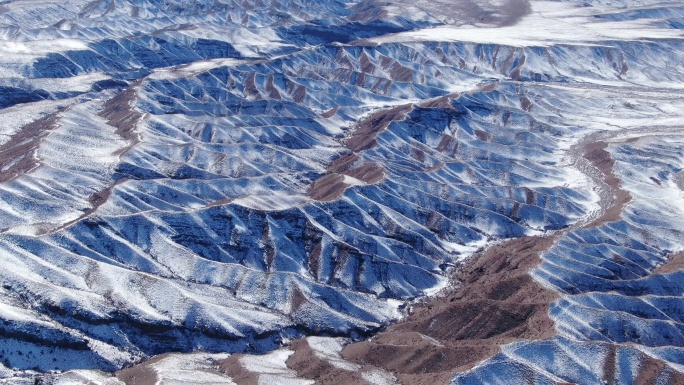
[{"x": 233, "y": 176}]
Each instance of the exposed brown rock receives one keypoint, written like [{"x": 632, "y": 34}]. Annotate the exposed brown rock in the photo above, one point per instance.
[
  {"x": 343, "y": 60},
  {"x": 385, "y": 61},
  {"x": 100, "y": 197},
  {"x": 221, "y": 202},
  {"x": 381, "y": 86},
  {"x": 416, "y": 357},
  {"x": 487, "y": 87},
  {"x": 366, "y": 11},
  {"x": 331, "y": 186},
  {"x": 298, "y": 298},
  {"x": 173, "y": 28},
  {"x": 426, "y": 378},
  {"x": 609, "y": 365},
  {"x": 315, "y": 260},
  {"x": 96, "y": 200}
]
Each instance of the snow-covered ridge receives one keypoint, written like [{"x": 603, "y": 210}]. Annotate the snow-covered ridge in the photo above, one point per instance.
[{"x": 166, "y": 209}]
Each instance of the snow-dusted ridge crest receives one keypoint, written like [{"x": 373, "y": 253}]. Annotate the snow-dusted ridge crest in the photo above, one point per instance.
[{"x": 228, "y": 176}]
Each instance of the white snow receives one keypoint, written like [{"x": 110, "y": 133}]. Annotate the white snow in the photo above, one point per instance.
[
  {"x": 272, "y": 368},
  {"x": 353, "y": 181},
  {"x": 329, "y": 349},
  {"x": 380, "y": 377},
  {"x": 194, "y": 68},
  {"x": 549, "y": 23}
]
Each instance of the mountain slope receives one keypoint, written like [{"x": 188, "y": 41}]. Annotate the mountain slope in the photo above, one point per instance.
[{"x": 229, "y": 176}]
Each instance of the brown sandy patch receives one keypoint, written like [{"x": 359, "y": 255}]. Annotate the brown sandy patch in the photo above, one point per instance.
[
  {"x": 515, "y": 75},
  {"x": 308, "y": 365},
  {"x": 221, "y": 202},
  {"x": 370, "y": 173},
  {"x": 400, "y": 73},
  {"x": 436, "y": 167},
  {"x": 652, "y": 369},
  {"x": 649, "y": 371},
  {"x": 100, "y": 197},
  {"x": 525, "y": 103},
  {"x": 600, "y": 158},
  {"x": 331, "y": 186},
  {"x": 330, "y": 113},
  {"x": 483, "y": 135},
  {"x": 18, "y": 155},
  {"x": 365, "y": 64},
  {"x": 344, "y": 163},
  {"x": 443, "y": 102},
  {"x": 498, "y": 302},
  {"x": 234, "y": 368},
  {"x": 679, "y": 180},
  {"x": 367, "y": 129},
  {"x": 328, "y": 188},
  {"x": 251, "y": 90},
  {"x": 296, "y": 91},
  {"x": 120, "y": 112},
  {"x": 271, "y": 89},
  {"x": 141, "y": 374},
  {"x": 674, "y": 262}
]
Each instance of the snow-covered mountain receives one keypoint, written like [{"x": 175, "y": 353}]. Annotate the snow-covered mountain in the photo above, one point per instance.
[{"x": 228, "y": 176}]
